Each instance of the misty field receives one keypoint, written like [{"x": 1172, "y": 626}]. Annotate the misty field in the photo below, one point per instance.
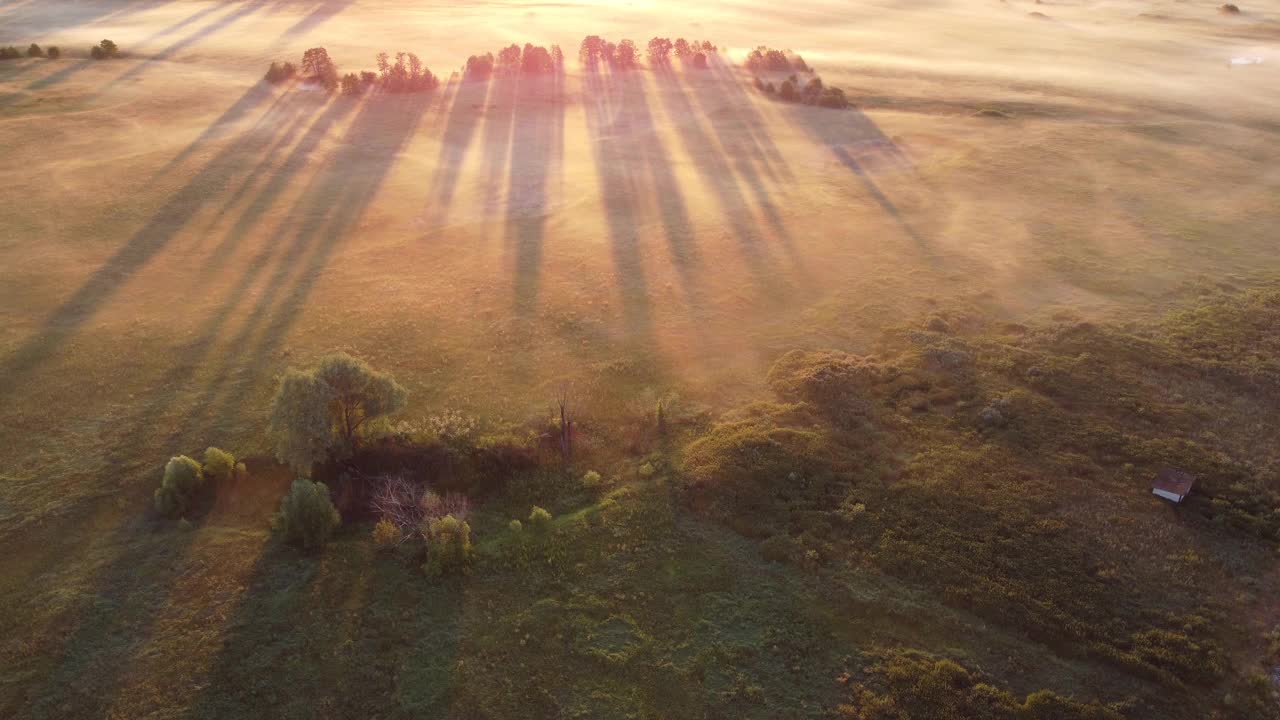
[{"x": 874, "y": 394}]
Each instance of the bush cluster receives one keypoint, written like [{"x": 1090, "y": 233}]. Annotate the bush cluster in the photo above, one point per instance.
[
  {"x": 813, "y": 92},
  {"x": 280, "y": 72},
  {"x": 33, "y": 50},
  {"x": 764, "y": 59},
  {"x": 104, "y": 50},
  {"x": 185, "y": 478}
]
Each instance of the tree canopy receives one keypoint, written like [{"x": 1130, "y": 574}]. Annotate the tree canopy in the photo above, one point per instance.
[{"x": 322, "y": 413}]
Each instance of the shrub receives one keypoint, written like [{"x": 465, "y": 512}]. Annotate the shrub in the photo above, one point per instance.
[
  {"x": 35, "y": 51},
  {"x": 9, "y": 53},
  {"x": 1230, "y": 9},
  {"x": 368, "y": 77},
  {"x": 323, "y": 413},
  {"x": 539, "y": 519},
  {"x": 97, "y": 53},
  {"x": 592, "y": 481},
  {"x": 280, "y": 72},
  {"x": 515, "y": 526},
  {"x": 386, "y": 535},
  {"x": 700, "y": 61},
  {"x": 479, "y": 67},
  {"x": 787, "y": 91},
  {"x": 351, "y": 84},
  {"x": 449, "y": 546},
  {"x": 182, "y": 480},
  {"x": 317, "y": 67},
  {"x": 53, "y": 52},
  {"x": 219, "y": 465},
  {"x": 307, "y": 516}
]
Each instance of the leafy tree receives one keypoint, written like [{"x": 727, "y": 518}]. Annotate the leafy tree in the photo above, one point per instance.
[
  {"x": 787, "y": 91},
  {"x": 449, "y": 546},
  {"x": 557, "y": 56},
  {"x": 509, "y": 58},
  {"x": 592, "y": 50},
  {"x": 682, "y": 48},
  {"x": 9, "y": 53},
  {"x": 35, "y": 51},
  {"x": 659, "y": 50},
  {"x": 53, "y": 52},
  {"x": 700, "y": 61},
  {"x": 109, "y": 49},
  {"x": 351, "y": 84},
  {"x": 536, "y": 60},
  {"x": 182, "y": 480},
  {"x": 479, "y": 67},
  {"x": 322, "y": 413},
  {"x": 626, "y": 56},
  {"x": 319, "y": 68},
  {"x": 307, "y": 516}
]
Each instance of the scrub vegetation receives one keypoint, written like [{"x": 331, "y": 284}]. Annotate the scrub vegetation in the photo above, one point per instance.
[{"x": 616, "y": 387}]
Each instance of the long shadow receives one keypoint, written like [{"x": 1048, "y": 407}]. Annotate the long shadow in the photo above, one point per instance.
[
  {"x": 721, "y": 91},
  {"x": 322, "y": 14},
  {"x": 70, "y": 70},
  {"x": 536, "y": 144},
  {"x": 460, "y": 128},
  {"x": 841, "y": 129},
  {"x": 497, "y": 141},
  {"x": 253, "y": 97},
  {"x": 325, "y": 215},
  {"x": 718, "y": 175},
  {"x": 762, "y": 148},
  {"x": 203, "y": 33},
  {"x": 165, "y": 224},
  {"x": 86, "y": 14},
  {"x": 616, "y": 111}
]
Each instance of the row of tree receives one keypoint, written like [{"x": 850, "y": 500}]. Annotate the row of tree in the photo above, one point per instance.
[
  {"x": 813, "y": 92},
  {"x": 34, "y": 50},
  {"x": 512, "y": 59},
  {"x": 764, "y": 59},
  {"x": 406, "y": 74},
  {"x": 623, "y": 55}
]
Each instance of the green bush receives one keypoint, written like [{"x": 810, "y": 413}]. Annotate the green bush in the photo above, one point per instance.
[
  {"x": 182, "y": 480},
  {"x": 386, "y": 535},
  {"x": 219, "y": 465},
  {"x": 539, "y": 519},
  {"x": 448, "y": 546},
  {"x": 515, "y": 526},
  {"x": 307, "y": 516}
]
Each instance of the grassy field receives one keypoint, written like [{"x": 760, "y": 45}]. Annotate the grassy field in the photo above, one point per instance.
[{"x": 1069, "y": 219}]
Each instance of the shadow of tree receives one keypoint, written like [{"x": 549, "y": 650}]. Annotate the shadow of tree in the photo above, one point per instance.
[
  {"x": 154, "y": 236},
  {"x": 537, "y": 142}
]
